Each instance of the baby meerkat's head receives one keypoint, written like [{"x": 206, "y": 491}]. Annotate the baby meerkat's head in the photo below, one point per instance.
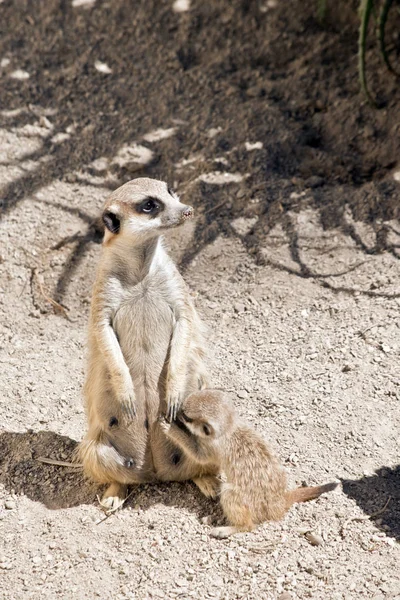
[
  {"x": 207, "y": 414},
  {"x": 141, "y": 209}
]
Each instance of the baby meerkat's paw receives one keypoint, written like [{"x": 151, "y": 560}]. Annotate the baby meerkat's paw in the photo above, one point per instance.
[
  {"x": 165, "y": 426},
  {"x": 221, "y": 533},
  {"x": 209, "y": 485}
]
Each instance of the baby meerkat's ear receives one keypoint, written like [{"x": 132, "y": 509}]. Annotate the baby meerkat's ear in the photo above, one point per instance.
[{"x": 111, "y": 221}]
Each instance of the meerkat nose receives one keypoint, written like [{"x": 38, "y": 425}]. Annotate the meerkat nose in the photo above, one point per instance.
[{"x": 187, "y": 213}]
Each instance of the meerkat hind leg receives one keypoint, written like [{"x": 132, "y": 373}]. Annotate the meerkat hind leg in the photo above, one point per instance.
[
  {"x": 208, "y": 485},
  {"x": 221, "y": 533},
  {"x": 224, "y": 532},
  {"x": 236, "y": 513},
  {"x": 114, "y": 496}
]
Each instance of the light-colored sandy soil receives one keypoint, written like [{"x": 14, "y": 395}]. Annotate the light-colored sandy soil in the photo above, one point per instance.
[{"x": 289, "y": 351}]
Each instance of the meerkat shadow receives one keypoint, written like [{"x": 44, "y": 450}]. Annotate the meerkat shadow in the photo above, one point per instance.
[
  {"x": 59, "y": 487},
  {"x": 182, "y": 495},
  {"x": 54, "y": 486},
  {"x": 379, "y": 497}
]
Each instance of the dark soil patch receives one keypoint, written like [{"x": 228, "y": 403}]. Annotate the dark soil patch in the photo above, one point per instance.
[{"x": 273, "y": 75}]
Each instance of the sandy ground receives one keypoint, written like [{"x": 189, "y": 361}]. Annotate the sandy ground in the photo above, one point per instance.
[{"x": 304, "y": 333}]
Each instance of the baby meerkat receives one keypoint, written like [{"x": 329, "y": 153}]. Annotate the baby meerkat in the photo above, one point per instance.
[
  {"x": 146, "y": 344},
  {"x": 254, "y": 487}
]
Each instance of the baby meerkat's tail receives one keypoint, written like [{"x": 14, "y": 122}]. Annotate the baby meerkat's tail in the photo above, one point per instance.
[
  {"x": 102, "y": 461},
  {"x": 304, "y": 494}
]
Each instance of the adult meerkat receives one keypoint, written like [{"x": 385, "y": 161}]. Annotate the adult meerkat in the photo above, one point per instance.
[
  {"x": 146, "y": 345},
  {"x": 254, "y": 487}
]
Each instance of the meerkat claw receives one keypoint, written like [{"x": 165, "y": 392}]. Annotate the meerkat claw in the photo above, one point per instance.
[{"x": 173, "y": 407}]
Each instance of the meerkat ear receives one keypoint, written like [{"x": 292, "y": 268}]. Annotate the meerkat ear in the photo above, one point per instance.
[
  {"x": 111, "y": 221},
  {"x": 207, "y": 429}
]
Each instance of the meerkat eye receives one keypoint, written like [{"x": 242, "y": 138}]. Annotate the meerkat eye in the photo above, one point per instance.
[
  {"x": 207, "y": 429},
  {"x": 111, "y": 221},
  {"x": 149, "y": 207}
]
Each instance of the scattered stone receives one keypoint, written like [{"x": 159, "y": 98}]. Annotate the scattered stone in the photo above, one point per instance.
[
  {"x": 19, "y": 74},
  {"x": 159, "y": 134},
  {"x": 216, "y": 130},
  {"x": 10, "y": 505},
  {"x": 84, "y": 3},
  {"x": 181, "y": 6},
  {"x": 242, "y": 394},
  {"x": 102, "y": 67},
  {"x": 219, "y": 178},
  {"x": 59, "y": 138},
  {"x": 255, "y": 146},
  {"x": 239, "y": 308},
  {"x": 314, "y": 539},
  {"x": 44, "y": 122}
]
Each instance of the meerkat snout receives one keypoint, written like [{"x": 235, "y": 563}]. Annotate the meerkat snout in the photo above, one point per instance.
[{"x": 187, "y": 213}]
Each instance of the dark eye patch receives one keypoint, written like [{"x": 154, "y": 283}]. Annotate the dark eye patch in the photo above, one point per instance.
[
  {"x": 181, "y": 425},
  {"x": 186, "y": 418},
  {"x": 150, "y": 206},
  {"x": 111, "y": 221}
]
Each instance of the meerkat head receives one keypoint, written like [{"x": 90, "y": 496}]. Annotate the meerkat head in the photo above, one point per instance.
[
  {"x": 207, "y": 414},
  {"x": 142, "y": 208}
]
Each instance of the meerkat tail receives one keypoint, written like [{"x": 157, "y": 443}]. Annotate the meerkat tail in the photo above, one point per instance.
[
  {"x": 100, "y": 459},
  {"x": 304, "y": 494}
]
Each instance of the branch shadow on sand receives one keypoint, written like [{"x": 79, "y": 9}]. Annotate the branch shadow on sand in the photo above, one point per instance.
[
  {"x": 379, "y": 497},
  {"x": 249, "y": 77},
  {"x": 65, "y": 487}
]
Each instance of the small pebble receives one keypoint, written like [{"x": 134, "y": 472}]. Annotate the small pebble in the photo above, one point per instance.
[
  {"x": 239, "y": 308},
  {"x": 315, "y": 540},
  {"x": 10, "y": 505}
]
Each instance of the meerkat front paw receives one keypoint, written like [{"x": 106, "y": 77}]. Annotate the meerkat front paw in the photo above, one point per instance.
[
  {"x": 174, "y": 398},
  {"x": 125, "y": 395},
  {"x": 173, "y": 404},
  {"x": 209, "y": 485}
]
